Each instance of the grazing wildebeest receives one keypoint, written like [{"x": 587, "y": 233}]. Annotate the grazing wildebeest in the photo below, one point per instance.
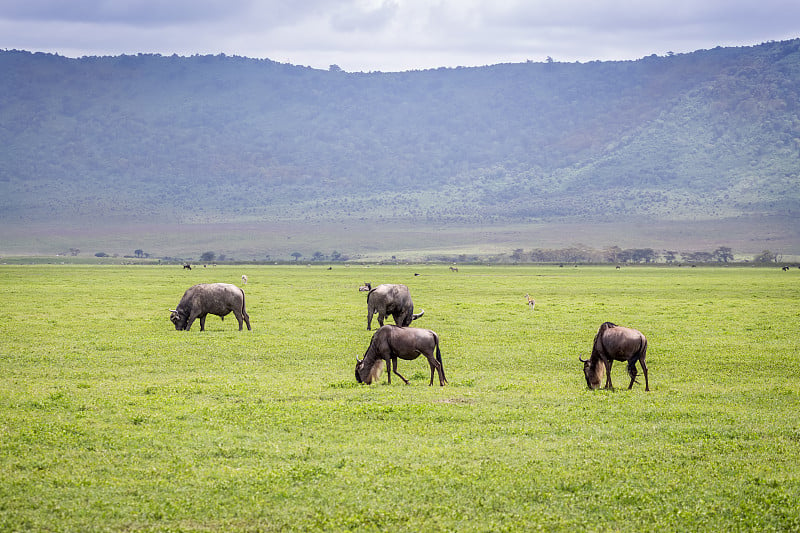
[
  {"x": 392, "y": 342},
  {"x": 187, "y": 266},
  {"x": 454, "y": 269},
  {"x": 615, "y": 343},
  {"x": 391, "y": 299},
  {"x": 209, "y": 298}
]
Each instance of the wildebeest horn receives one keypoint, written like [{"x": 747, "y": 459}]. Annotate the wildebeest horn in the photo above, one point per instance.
[
  {"x": 582, "y": 360},
  {"x": 416, "y": 316},
  {"x": 173, "y": 310}
]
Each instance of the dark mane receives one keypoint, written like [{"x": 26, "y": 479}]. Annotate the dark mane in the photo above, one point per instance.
[{"x": 597, "y": 346}]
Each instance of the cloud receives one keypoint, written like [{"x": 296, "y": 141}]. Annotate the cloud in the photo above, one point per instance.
[
  {"x": 394, "y": 34},
  {"x": 128, "y": 12},
  {"x": 157, "y": 13},
  {"x": 363, "y": 18}
]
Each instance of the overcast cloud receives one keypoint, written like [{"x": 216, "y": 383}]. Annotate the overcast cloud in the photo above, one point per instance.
[{"x": 394, "y": 35}]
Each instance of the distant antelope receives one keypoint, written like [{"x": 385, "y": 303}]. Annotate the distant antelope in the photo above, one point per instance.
[
  {"x": 454, "y": 269},
  {"x": 244, "y": 279},
  {"x": 531, "y": 301}
]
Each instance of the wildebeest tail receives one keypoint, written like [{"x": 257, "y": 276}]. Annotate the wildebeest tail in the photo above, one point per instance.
[
  {"x": 640, "y": 354},
  {"x": 244, "y": 311},
  {"x": 439, "y": 358}
]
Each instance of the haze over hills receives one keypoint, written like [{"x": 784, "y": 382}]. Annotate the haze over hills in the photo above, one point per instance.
[{"x": 129, "y": 143}]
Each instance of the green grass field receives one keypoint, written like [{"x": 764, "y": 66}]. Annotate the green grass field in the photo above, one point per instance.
[{"x": 110, "y": 420}]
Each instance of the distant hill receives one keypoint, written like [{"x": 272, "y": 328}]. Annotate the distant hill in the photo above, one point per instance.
[{"x": 711, "y": 134}]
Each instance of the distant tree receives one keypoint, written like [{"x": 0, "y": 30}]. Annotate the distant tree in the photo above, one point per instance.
[
  {"x": 613, "y": 253},
  {"x": 624, "y": 256},
  {"x": 723, "y": 254},
  {"x": 335, "y": 68},
  {"x": 765, "y": 257},
  {"x": 698, "y": 257},
  {"x": 297, "y": 255},
  {"x": 74, "y": 251},
  {"x": 644, "y": 255},
  {"x": 138, "y": 253},
  {"x": 670, "y": 256},
  {"x": 318, "y": 256},
  {"x": 101, "y": 254},
  {"x": 208, "y": 256}
]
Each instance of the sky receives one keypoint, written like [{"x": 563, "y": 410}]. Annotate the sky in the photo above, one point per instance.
[{"x": 394, "y": 35}]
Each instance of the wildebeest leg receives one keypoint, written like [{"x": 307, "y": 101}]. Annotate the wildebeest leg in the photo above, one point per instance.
[
  {"x": 381, "y": 316},
  {"x": 190, "y": 321},
  {"x": 369, "y": 319},
  {"x": 202, "y": 322},
  {"x": 388, "y": 371},
  {"x": 402, "y": 319},
  {"x": 608, "y": 364},
  {"x": 437, "y": 366},
  {"x": 644, "y": 369},
  {"x": 394, "y": 369},
  {"x": 240, "y": 319},
  {"x": 246, "y": 320},
  {"x": 440, "y": 371}
]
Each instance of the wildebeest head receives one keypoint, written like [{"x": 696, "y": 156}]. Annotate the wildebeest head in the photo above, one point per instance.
[
  {"x": 593, "y": 371},
  {"x": 359, "y": 366},
  {"x": 178, "y": 319},
  {"x": 368, "y": 375}
]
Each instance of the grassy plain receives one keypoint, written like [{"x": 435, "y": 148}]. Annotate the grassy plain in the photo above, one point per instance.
[{"x": 110, "y": 420}]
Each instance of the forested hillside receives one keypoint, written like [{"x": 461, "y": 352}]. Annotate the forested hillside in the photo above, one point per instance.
[{"x": 713, "y": 133}]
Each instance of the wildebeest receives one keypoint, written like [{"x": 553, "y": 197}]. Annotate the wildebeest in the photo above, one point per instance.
[
  {"x": 615, "y": 343},
  {"x": 392, "y": 342},
  {"x": 390, "y": 299},
  {"x": 209, "y": 298}
]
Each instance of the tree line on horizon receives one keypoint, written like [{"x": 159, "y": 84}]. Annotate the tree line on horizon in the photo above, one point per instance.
[
  {"x": 614, "y": 255},
  {"x": 579, "y": 254}
]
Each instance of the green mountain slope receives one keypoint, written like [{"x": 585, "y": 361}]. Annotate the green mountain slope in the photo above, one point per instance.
[{"x": 711, "y": 134}]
